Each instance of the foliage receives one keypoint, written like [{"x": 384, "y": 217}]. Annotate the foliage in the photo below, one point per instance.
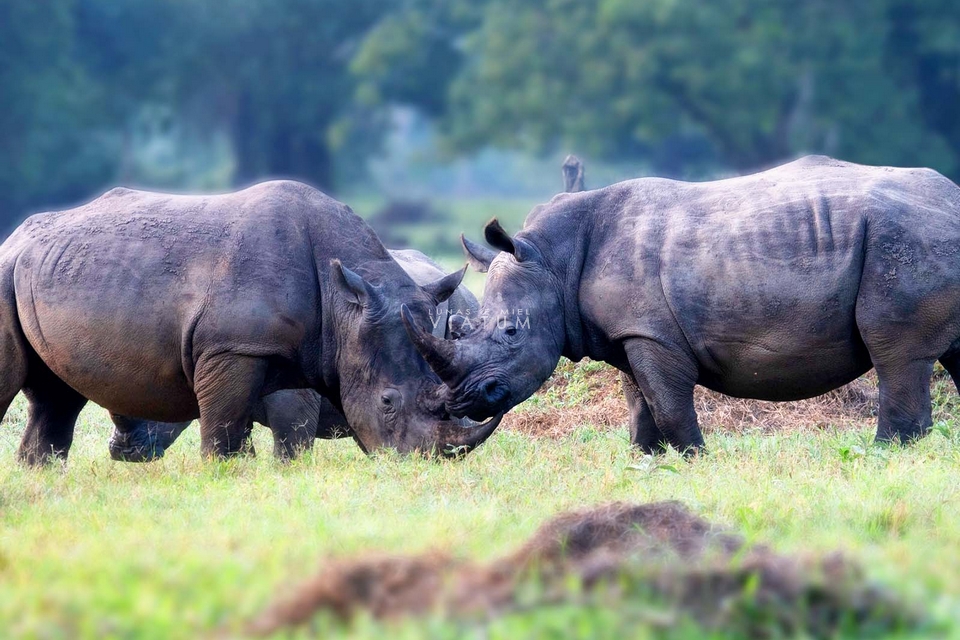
[
  {"x": 197, "y": 94},
  {"x": 50, "y": 123},
  {"x": 84, "y": 83},
  {"x": 730, "y": 84}
]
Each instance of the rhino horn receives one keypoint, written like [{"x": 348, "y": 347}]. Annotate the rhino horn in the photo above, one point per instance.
[
  {"x": 572, "y": 169},
  {"x": 457, "y": 440},
  {"x": 442, "y": 355}
]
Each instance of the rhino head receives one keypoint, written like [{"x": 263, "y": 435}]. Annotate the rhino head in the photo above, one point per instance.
[
  {"x": 514, "y": 345},
  {"x": 388, "y": 393}
]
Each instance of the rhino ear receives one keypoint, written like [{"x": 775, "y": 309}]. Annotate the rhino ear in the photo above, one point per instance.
[
  {"x": 498, "y": 238},
  {"x": 354, "y": 288},
  {"x": 443, "y": 288},
  {"x": 478, "y": 256}
]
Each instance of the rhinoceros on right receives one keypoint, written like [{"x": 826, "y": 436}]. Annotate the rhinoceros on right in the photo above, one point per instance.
[{"x": 780, "y": 285}]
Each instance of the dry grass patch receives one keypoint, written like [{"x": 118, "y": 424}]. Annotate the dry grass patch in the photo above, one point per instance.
[{"x": 589, "y": 393}]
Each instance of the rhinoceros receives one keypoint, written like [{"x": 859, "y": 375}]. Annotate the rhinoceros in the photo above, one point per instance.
[
  {"x": 173, "y": 307},
  {"x": 780, "y": 285},
  {"x": 295, "y": 416}
]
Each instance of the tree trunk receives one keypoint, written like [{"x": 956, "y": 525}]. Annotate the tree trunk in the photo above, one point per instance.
[{"x": 301, "y": 155}]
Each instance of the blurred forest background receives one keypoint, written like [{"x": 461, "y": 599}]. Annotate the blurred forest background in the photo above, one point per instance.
[{"x": 436, "y": 113}]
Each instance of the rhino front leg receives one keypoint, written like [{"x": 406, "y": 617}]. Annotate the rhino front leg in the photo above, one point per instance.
[
  {"x": 136, "y": 440},
  {"x": 228, "y": 386},
  {"x": 644, "y": 432},
  {"x": 666, "y": 376},
  {"x": 290, "y": 442},
  {"x": 292, "y": 417}
]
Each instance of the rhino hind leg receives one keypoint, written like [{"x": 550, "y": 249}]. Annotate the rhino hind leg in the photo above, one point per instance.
[
  {"x": 53, "y": 411},
  {"x": 228, "y": 387},
  {"x": 905, "y": 409},
  {"x": 644, "y": 432},
  {"x": 666, "y": 377}
]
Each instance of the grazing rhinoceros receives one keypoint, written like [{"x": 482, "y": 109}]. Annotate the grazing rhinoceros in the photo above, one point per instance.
[
  {"x": 777, "y": 286},
  {"x": 172, "y": 307},
  {"x": 295, "y": 416}
]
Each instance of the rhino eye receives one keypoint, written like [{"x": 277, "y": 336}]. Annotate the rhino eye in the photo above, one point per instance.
[
  {"x": 510, "y": 331},
  {"x": 390, "y": 400}
]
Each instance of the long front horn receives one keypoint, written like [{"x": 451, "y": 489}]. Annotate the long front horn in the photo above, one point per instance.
[
  {"x": 454, "y": 440},
  {"x": 440, "y": 354}
]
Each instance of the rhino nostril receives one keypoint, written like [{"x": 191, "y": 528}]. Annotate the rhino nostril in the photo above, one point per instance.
[{"x": 492, "y": 390}]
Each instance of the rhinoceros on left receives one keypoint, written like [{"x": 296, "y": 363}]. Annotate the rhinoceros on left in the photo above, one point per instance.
[
  {"x": 174, "y": 307},
  {"x": 294, "y": 416}
]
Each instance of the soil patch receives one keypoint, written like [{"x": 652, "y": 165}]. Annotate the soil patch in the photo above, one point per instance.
[{"x": 659, "y": 559}]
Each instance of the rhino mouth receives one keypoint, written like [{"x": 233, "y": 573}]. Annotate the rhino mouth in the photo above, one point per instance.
[{"x": 462, "y": 435}]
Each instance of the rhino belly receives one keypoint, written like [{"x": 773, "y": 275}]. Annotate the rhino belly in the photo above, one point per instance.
[
  {"x": 783, "y": 347},
  {"x": 770, "y": 372}
]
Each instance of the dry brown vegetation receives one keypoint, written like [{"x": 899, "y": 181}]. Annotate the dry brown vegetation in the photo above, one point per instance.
[
  {"x": 580, "y": 395},
  {"x": 660, "y": 554}
]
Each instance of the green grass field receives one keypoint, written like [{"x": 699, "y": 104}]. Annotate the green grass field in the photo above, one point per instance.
[{"x": 187, "y": 548}]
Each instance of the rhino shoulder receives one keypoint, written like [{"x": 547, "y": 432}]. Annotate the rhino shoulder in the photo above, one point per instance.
[
  {"x": 815, "y": 160},
  {"x": 286, "y": 199},
  {"x": 290, "y": 192}
]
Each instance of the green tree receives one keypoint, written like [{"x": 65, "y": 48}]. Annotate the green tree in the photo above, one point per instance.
[
  {"x": 53, "y": 138},
  {"x": 77, "y": 76},
  {"x": 273, "y": 72},
  {"x": 753, "y": 81}
]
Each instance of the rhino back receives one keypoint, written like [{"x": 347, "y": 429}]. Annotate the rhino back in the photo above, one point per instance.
[
  {"x": 760, "y": 274},
  {"x": 163, "y": 277}
]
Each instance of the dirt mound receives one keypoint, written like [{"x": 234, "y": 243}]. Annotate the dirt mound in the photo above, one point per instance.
[
  {"x": 659, "y": 557},
  {"x": 590, "y": 393}
]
